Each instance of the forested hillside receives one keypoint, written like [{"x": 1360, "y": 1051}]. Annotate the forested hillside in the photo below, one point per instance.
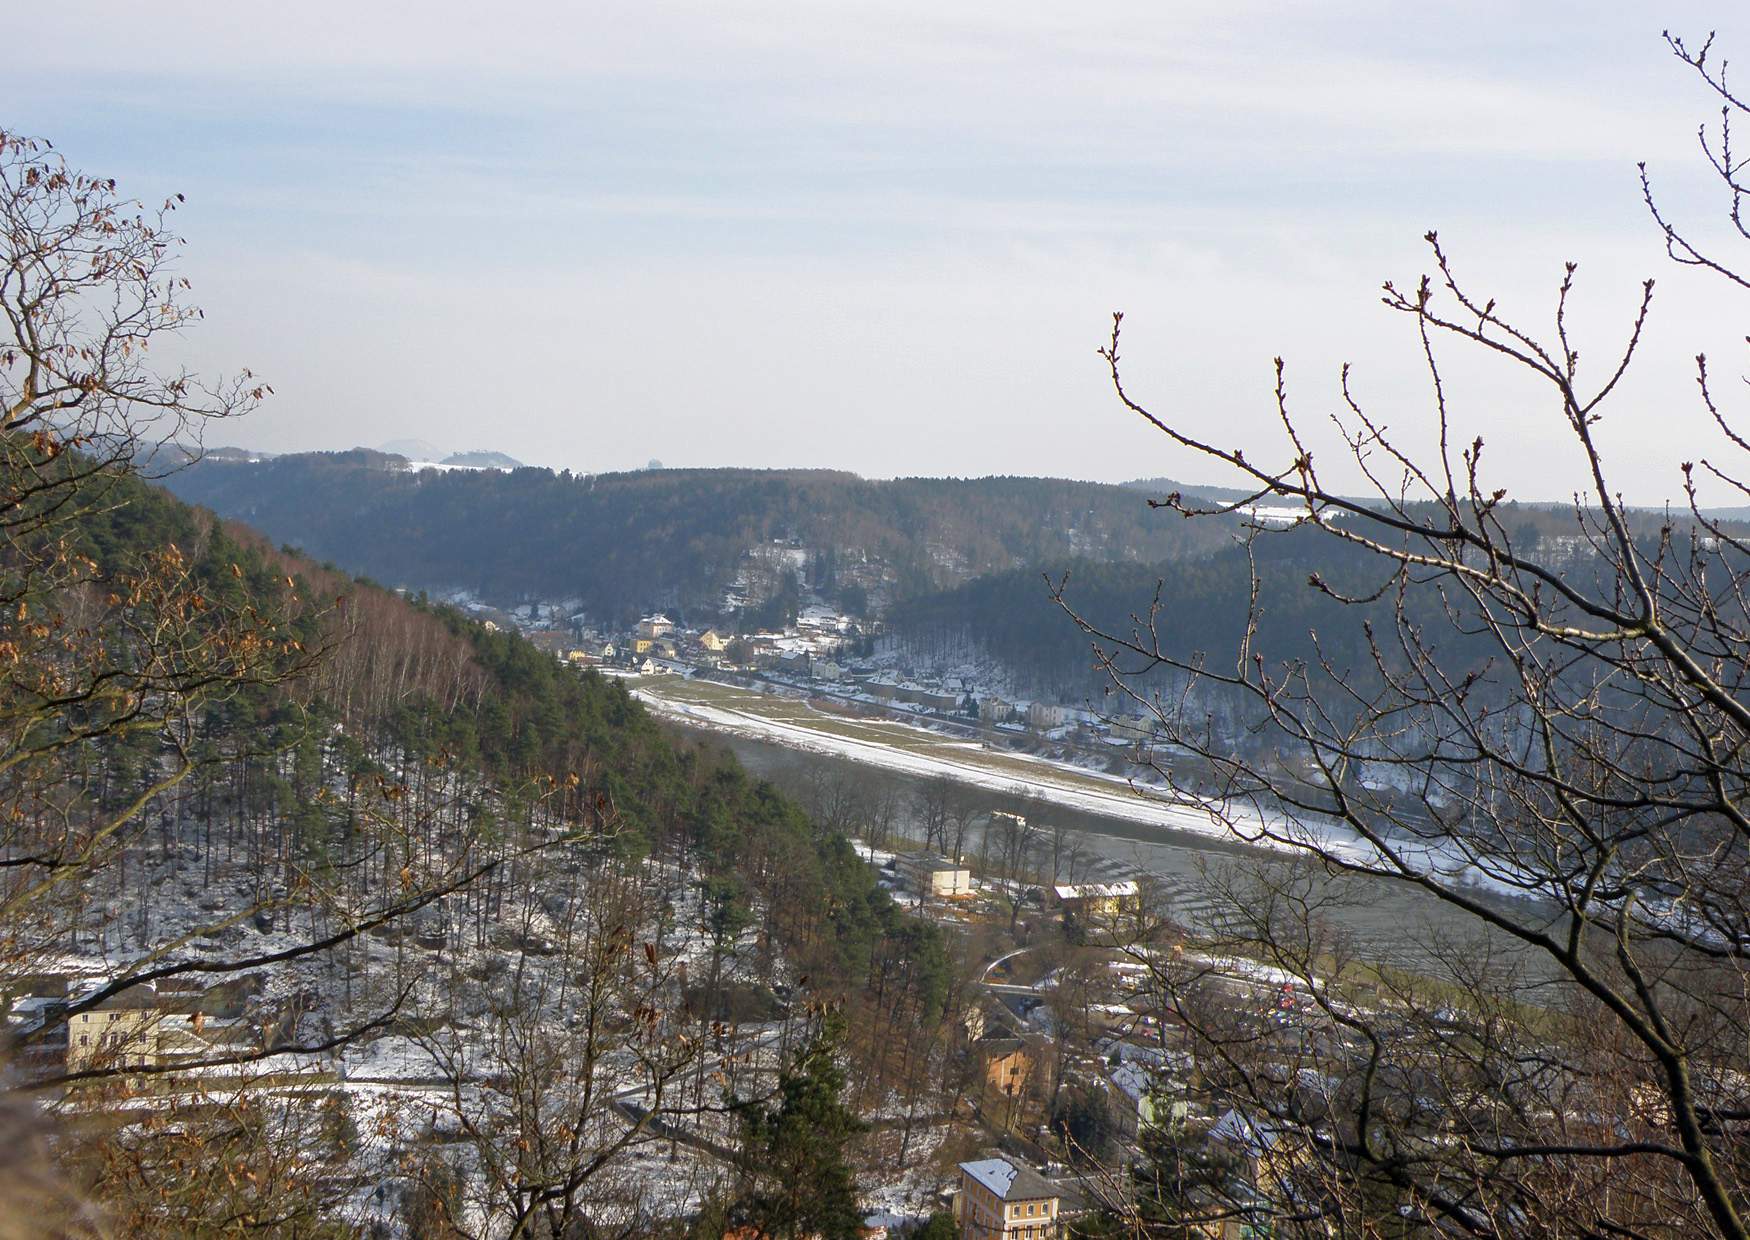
[
  {"x": 1202, "y": 606},
  {"x": 619, "y": 542},
  {"x": 323, "y": 913},
  {"x": 1013, "y": 617},
  {"x": 351, "y": 774}
]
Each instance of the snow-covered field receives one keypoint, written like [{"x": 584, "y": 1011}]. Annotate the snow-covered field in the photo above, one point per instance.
[
  {"x": 1063, "y": 784},
  {"x": 1043, "y": 778}
]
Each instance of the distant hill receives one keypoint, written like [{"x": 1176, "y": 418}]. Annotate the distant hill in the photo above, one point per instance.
[
  {"x": 235, "y": 455},
  {"x": 480, "y": 459},
  {"x": 1160, "y": 488},
  {"x": 956, "y": 565},
  {"x": 1009, "y": 619},
  {"x": 413, "y": 449},
  {"x": 682, "y": 538}
]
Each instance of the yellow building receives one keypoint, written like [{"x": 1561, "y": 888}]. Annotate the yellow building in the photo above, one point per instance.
[
  {"x": 131, "y": 1029},
  {"x": 1007, "y": 1065},
  {"x": 1092, "y": 901},
  {"x": 120, "y": 1032},
  {"x": 999, "y": 1199}
]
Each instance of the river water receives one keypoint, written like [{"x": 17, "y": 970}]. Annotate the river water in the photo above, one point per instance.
[{"x": 1388, "y": 922}]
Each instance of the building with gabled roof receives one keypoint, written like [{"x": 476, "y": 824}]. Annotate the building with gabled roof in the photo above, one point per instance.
[
  {"x": 1097, "y": 899},
  {"x": 138, "y": 1027},
  {"x": 1007, "y": 1063},
  {"x": 713, "y": 641},
  {"x": 1002, "y": 1199}
]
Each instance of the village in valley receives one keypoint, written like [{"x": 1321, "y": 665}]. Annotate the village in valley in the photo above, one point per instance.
[
  {"x": 1067, "y": 1049},
  {"x": 1061, "y": 752},
  {"x": 1070, "y": 1046},
  {"x": 1084, "y": 1029},
  {"x": 825, "y": 651}
]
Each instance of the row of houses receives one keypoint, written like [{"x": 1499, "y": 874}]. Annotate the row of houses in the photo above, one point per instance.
[
  {"x": 1040, "y": 716},
  {"x": 811, "y": 650},
  {"x": 805, "y": 652}
]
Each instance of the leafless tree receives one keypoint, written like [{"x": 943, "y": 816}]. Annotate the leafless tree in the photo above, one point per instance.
[
  {"x": 562, "y": 1064},
  {"x": 117, "y": 654},
  {"x": 932, "y": 805},
  {"x": 97, "y": 654},
  {"x": 1009, "y": 844},
  {"x": 1545, "y": 732},
  {"x": 883, "y": 803}
]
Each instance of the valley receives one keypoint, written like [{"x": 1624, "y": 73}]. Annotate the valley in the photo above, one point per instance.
[{"x": 1118, "y": 830}]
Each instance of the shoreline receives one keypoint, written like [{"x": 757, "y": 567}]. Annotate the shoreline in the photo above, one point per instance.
[{"x": 1189, "y": 823}]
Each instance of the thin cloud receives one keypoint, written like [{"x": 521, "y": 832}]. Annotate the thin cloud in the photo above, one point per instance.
[{"x": 882, "y": 236}]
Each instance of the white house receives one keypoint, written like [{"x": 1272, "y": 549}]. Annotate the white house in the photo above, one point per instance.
[{"x": 931, "y": 874}]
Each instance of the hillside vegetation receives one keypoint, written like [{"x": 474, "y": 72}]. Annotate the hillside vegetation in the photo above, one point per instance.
[
  {"x": 1204, "y": 607},
  {"x": 619, "y": 542},
  {"x": 386, "y": 772}
]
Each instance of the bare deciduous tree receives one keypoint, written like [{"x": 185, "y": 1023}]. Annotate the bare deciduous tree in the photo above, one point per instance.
[
  {"x": 1546, "y": 733},
  {"x": 560, "y": 1066}
]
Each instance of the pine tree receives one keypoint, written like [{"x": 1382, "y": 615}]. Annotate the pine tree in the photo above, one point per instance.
[{"x": 799, "y": 1182}]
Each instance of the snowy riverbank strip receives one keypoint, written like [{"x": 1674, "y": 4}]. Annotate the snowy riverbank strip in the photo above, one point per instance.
[{"x": 1126, "y": 802}]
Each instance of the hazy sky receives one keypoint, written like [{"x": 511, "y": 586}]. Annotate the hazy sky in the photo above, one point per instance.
[{"x": 887, "y": 237}]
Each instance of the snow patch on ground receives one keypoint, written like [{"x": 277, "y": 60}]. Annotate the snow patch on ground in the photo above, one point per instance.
[{"x": 1126, "y": 801}]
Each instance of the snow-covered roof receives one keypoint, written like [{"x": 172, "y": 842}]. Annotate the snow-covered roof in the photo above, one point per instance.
[
  {"x": 1238, "y": 1129},
  {"x": 142, "y": 995},
  {"x": 1008, "y": 1181},
  {"x": 1132, "y": 1079},
  {"x": 1097, "y": 891}
]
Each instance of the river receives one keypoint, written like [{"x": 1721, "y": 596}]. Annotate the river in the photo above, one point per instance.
[{"x": 1388, "y": 922}]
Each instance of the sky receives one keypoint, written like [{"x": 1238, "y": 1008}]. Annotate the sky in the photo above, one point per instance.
[{"x": 889, "y": 237}]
